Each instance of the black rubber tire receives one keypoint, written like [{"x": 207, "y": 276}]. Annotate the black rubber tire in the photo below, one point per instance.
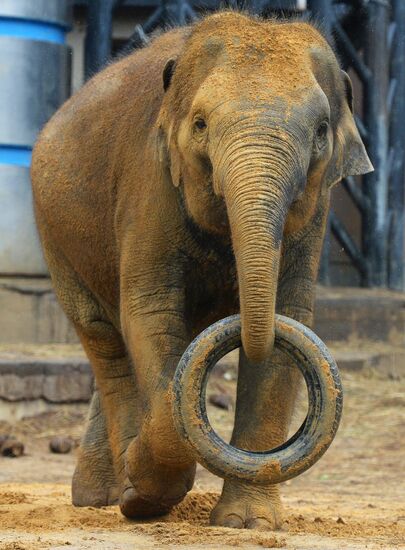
[{"x": 301, "y": 451}]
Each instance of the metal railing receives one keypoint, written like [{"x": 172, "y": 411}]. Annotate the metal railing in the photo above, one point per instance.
[{"x": 370, "y": 39}]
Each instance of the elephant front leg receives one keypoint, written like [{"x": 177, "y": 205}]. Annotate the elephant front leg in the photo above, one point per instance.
[
  {"x": 158, "y": 464},
  {"x": 265, "y": 401},
  {"x": 267, "y": 392}
]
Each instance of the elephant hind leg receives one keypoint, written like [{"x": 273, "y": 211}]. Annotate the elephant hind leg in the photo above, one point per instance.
[
  {"x": 115, "y": 410},
  {"x": 115, "y": 416},
  {"x": 94, "y": 482}
]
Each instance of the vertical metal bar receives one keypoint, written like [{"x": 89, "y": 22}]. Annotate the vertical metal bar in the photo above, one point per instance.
[
  {"x": 177, "y": 12},
  {"x": 322, "y": 11},
  {"x": 176, "y": 9},
  {"x": 375, "y": 185},
  {"x": 98, "y": 35},
  {"x": 396, "y": 189}
]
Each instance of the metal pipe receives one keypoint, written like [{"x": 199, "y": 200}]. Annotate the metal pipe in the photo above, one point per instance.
[
  {"x": 396, "y": 188},
  {"x": 351, "y": 57},
  {"x": 361, "y": 128},
  {"x": 355, "y": 193},
  {"x": 343, "y": 237},
  {"x": 375, "y": 185},
  {"x": 98, "y": 35},
  {"x": 322, "y": 11}
]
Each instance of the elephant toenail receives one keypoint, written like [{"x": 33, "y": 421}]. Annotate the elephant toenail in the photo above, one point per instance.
[
  {"x": 260, "y": 524},
  {"x": 233, "y": 521}
]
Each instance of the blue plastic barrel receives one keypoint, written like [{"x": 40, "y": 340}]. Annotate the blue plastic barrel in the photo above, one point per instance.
[{"x": 35, "y": 80}]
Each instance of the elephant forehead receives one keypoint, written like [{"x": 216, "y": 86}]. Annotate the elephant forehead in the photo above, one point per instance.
[
  {"x": 226, "y": 90},
  {"x": 236, "y": 28},
  {"x": 251, "y": 40},
  {"x": 277, "y": 58}
]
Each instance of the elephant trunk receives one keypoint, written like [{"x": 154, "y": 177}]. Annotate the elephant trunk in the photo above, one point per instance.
[{"x": 257, "y": 187}]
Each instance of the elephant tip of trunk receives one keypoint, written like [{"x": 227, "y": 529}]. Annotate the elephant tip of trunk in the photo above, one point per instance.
[{"x": 257, "y": 350}]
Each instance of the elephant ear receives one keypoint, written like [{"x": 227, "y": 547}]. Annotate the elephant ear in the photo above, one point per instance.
[
  {"x": 351, "y": 158},
  {"x": 169, "y": 159},
  {"x": 355, "y": 159},
  {"x": 168, "y": 73}
]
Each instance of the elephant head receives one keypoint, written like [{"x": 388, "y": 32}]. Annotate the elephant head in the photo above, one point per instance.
[{"x": 256, "y": 125}]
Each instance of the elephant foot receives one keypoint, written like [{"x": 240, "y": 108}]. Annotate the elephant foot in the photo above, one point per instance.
[
  {"x": 132, "y": 505},
  {"x": 243, "y": 506},
  {"x": 155, "y": 486},
  {"x": 87, "y": 491}
]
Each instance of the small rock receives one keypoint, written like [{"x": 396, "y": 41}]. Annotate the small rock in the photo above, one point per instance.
[
  {"x": 12, "y": 448},
  {"x": 220, "y": 388},
  {"x": 394, "y": 376},
  {"x": 221, "y": 400},
  {"x": 340, "y": 520},
  {"x": 318, "y": 520},
  {"x": 60, "y": 445}
]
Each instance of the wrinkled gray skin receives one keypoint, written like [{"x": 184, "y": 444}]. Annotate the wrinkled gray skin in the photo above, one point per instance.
[{"x": 165, "y": 206}]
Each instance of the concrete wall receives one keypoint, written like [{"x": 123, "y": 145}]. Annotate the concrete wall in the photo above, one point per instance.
[{"x": 30, "y": 313}]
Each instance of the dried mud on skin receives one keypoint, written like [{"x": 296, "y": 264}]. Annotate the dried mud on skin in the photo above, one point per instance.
[{"x": 354, "y": 498}]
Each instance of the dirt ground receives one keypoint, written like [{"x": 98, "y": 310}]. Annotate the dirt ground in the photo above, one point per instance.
[{"x": 354, "y": 498}]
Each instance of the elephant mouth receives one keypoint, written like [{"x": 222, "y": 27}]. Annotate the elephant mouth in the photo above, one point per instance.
[{"x": 217, "y": 240}]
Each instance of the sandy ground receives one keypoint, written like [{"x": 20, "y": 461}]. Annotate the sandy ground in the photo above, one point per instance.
[{"x": 354, "y": 498}]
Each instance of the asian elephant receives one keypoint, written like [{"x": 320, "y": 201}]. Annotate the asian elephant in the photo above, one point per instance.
[{"x": 183, "y": 183}]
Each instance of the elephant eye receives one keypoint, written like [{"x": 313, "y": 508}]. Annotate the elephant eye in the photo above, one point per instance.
[
  {"x": 322, "y": 131},
  {"x": 200, "y": 124}
]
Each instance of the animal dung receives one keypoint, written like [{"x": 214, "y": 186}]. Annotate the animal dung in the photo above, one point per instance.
[
  {"x": 340, "y": 520},
  {"x": 221, "y": 400},
  {"x": 10, "y": 446},
  {"x": 60, "y": 445}
]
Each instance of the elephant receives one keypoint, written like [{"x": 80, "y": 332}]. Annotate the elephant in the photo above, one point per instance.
[{"x": 186, "y": 182}]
